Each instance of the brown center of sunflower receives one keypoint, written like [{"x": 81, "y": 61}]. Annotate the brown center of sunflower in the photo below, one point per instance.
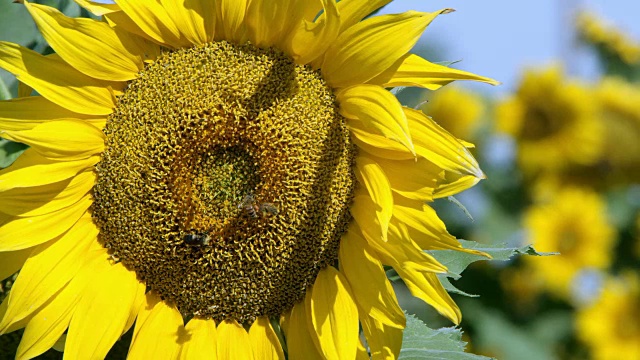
[{"x": 226, "y": 180}]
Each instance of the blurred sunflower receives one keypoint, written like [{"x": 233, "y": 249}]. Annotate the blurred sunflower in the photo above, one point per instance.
[
  {"x": 236, "y": 165},
  {"x": 553, "y": 121},
  {"x": 455, "y": 109},
  {"x": 594, "y": 30},
  {"x": 574, "y": 224},
  {"x": 609, "y": 326}
]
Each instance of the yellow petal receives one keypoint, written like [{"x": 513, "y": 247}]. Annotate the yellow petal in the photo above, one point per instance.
[
  {"x": 158, "y": 332},
  {"x": 377, "y": 145},
  {"x": 264, "y": 340},
  {"x": 371, "y": 175},
  {"x": 102, "y": 313},
  {"x": 311, "y": 40},
  {"x": 23, "y": 232},
  {"x": 428, "y": 288},
  {"x": 265, "y": 20},
  {"x": 194, "y": 18},
  {"x": 372, "y": 290},
  {"x": 299, "y": 341},
  {"x": 412, "y": 70},
  {"x": 233, "y": 341},
  {"x": 49, "y": 268},
  {"x": 44, "y": 199},
  {"x": 352, "y": 11},
  {"x": 12, "y": 261},
  {"x": 333, "y": 315},
  {"x": 365, "y": 213},
  {"x": 202, "y": 335},
  {"x": 153, "y": 19},
  {"x": 28, "y": 112},
  {"x": 58, "y": 81},
  {"x": 97, "y": 8},
  {"x": 230, "y": 21},
  {"x": 378, "y": 109},
  {"x": 414, "y": 179},
  {"x": 24, "y": 90},
  {"x": 49, "y": 322},
  {"x": 456, "y": 186},
  {"x": 32, "y": 169},
  {"x": 370, "y": 47},
  {"x": 78, "y": 40},
  {"x": 440, "y": 147},
  {"x": 384, "y": 341},
  {"x": 65, "y": 139}
]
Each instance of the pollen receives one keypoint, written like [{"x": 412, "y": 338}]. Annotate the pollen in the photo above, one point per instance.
[{"x": 226, "y": 180}]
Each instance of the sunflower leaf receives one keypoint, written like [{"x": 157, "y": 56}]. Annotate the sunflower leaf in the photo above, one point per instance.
[
  {"x": 422, "y": 342},
  {"x": 456, "y": 261},
  {"x": 9, "y": 152}
]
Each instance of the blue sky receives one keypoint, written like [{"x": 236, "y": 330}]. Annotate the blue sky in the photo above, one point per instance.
[{"x": 498, "y": 38}]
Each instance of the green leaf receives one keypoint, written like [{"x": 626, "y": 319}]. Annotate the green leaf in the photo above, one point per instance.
[
  {"x": 456, "y": 261},
  {"x": 9, "y": 152},
  {"x": 5, "y": 93},
  {"x": 421, "y": 342}
]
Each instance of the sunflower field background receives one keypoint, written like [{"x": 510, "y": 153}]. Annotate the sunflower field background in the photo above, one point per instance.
[{"x": 562, "y": 159}]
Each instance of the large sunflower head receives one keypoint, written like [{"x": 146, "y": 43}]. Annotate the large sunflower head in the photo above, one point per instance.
[
  {"x": 554, "y": 122},
  {"x": 224, "y": 173}
]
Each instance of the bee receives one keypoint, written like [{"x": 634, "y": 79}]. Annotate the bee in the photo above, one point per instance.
[
  {"x": 197, "y": 239},
  {"x": 255, "y": 209}
]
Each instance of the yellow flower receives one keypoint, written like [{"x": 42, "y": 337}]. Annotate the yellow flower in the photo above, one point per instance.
[
  {"x": 455, "y": 109},
  {"x": 573, "y": 224},
  {"x": 554, "y": 122},
  {"x": 236, "y": 164},
  {"x": 610, "y": 326},
  {"x": 595, "y": 30}
]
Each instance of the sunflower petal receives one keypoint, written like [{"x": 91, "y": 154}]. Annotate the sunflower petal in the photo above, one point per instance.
[
  {"x": 414, "y": 179},
  {"x": 311, "y": 40},
  {"x": 28, "y": 112},
  {"x": 365, "y": 213},
  {"x": 264, "y": 340},
  {"x": 32, "y": 169},
  {"x": 202, "y": 340},
  {"x": 299, "y": 341},
  {"x": 230, "y": 22},
  {"x": 194, "y": 18},
  {"x": 77, "y": 40},
  {"x": 13, "y": 261},
  {"x": 58, "y": 81},
  {"x": 456, "y": 186},
  {"x": 333, "y": 315},
  {"x": 377, "y": 145},
  {"x": 371, "y": 289},
  {"x": 440, "y": 147},
  {"x": 368, "y": 48},
  {"x": 65, "y": 139},
  {"x": 157, "y": 332},
  {"x": 384, "y": 341},
  {"x": 413, "y": 70},
  {"x": 49, "y": 268},
  {"x": 371, "y": 175},
  {"x": 102, "y": 313},
  {"x": 97, "y": 8},
  {"x": 45, "y": 199},
  {"x": 378, "y": 109},
  {"x": 352, "y": 11},
  {"x": 266, "y": 20},
  {"x": 232, "y": 341},
  {"x": 153, "y": 19},
  {"x": 49, "y": 322},
  {"x": 428, "y": 288},
  {"x": 24, "y": 232}
]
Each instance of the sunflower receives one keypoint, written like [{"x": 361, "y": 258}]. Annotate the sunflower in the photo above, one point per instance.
[
  {"x": 609, "y": 326},
  {"x": 229, "y": 175},
  {"x": 553, "y": 121},
  {"x": 455, "y": 109},
  {"x": 574, "y": 224}
]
